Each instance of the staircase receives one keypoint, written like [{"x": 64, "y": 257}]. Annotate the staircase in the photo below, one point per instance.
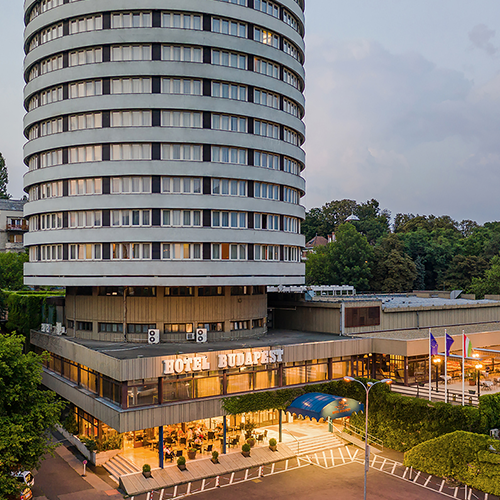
[
  {"x": 311, "y": 445},
  {"x": 119, "y": 466}
]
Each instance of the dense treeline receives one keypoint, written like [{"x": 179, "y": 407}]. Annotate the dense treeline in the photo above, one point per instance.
[{"x": 418, "y": 252}]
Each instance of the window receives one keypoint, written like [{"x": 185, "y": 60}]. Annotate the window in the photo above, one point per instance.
[
  {"x": 178, "y": 327},
  {"x": 181, "y": 152},
  {"x": 127, "y": 251},
  {"x": 237, "y": 2},
  {"x": 212, "y": 327},
  {"x": 111, "y": 291},
  {"x": 230, "y": 59},
  {"x": 51, "y": 221},
  {"x": 51, "y": 64},
  {"x": 181, "y": 86},
  {"x": 239, "y": 325},
  {"x": 85, "y": 219},
  {"x": 181, "y": 251},
  {"x": 265, "y": 67},
  {"x": 266, "y": 252},
  {"x": 111, "y": 327},
  {"x": 50, "y": 127},
  {"x": 50, "y": 158},
  {"x": 290, "y": 78},
  {"x": 178, "y": 185},
  {"x": 362, "y": 316},
  {"x": 79, "y": 187},
  {"x": 181, "y": 218},
  {"x": 229, "y": 155},
  {"x": 291, "y": 254},
  {"x": 183, "y": 119},
  {"x": 268, "y": 7},
  {"x": 229, "y": 91},
  {"x": 84, "y": 154},
  {"x": 181, "y": 53},
  {"x": 87, "y": 88},
  {"x": 179, "y": 291},
  {"x": 229, "y": 122},
  {"x": 141, "y": 291},
  {"x": 139, "y": 328},
  {"x": 83, "y": 24},
  {"x": 84, "y": 325},
  {"x": 229, "y": 27},
  {"x": 47, "y": 190},
  {"x": 131, "y": 86},
  {"x": 291, "y": 20},
  {"x": 85, "y": 56},
  {"x": 290, "y": 195},
  {"x": 131, "y": 53},
  {"x": 226, "y": 251},
  {"x": 142, "y": 392},
  {"x": 290, "y": 136},
  {"x": 266, "y": 98},
  {"x": 266, "y": 160},
  {"x": 86, "y": 251},
  {"x": 264, "y": 190},
  {"x": 130, "y": 152},
  {"x": 131, "y": 20},
  {"x": 291, "y": 50},
  {"x": 266, "y": 37},
  {"x": 86, "y": 121},
  {"x": 257, "y": 323},
  {"x": 48, "y": 34},
  {"x": 210, "y": 291},
  {"x": 229, "y": 219},
  {"x": 50, "y": 253},
  {"x": 291, "y": 166},
  {"x": 229, "y": 187},
  {"x": 139, "y": 218},
  {"x": 290, "y": 107},
  {"x": 131, "y": 118},
  {"x": 266, "y": 129},
  {"x": 291, "y": 225},
  {"x": 178, "y": 20}
]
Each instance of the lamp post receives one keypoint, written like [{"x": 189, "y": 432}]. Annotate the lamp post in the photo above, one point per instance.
[
  {"x": 437, "y": 365},
  {"x": 478, "y": 367},
  {"x": 367, "y": 388}
]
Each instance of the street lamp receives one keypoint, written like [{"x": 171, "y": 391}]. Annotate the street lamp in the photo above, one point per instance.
[
  {"x": 437, "y": 365},
  {"x": 478, "y": 367},
  {"x": 367, "y": 388}
]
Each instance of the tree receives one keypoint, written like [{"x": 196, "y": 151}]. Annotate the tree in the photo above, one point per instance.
[
  {"x": 346, "y": 261},
  {"x": 373, "y": 222},
  {"x": 490, "y": 284},
  {"x": 461, "y": 271},
  {"x": 11, "y": 270},
  {"x": 393, "y": 270},
  {"x": 27, "y": 413},
  {"x": 4, "y": 179}
]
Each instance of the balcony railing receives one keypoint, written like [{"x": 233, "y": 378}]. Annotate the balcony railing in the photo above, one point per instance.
[{"x": 17, "y": 227}]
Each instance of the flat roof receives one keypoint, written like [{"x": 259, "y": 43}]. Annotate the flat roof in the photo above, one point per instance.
[{"x": 130, "y": 350}]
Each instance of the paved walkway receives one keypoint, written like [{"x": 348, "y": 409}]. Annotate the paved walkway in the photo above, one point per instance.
[{"x": 135, "y": 484}]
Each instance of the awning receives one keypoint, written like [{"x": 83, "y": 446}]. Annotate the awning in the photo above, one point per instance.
[{"x": 318, "y": 405}]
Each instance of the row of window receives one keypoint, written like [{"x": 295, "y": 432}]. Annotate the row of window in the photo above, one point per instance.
[
  {"x": 175, "y": 53},
  {"x": 183, "y": 86},
  {"x": 144, "y": 151},
  {"x": 167, "y": 118},
  {"x": 169, "y": 185},
  {"x": 168, "y": 251}
]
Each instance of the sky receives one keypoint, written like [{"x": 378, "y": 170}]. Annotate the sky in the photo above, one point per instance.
[{"x": 403, "y": 104}]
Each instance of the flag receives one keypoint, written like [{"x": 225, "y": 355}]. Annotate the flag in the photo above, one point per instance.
[
  {"x": 467, "y": 347},
  {"x": 449, "y": 342},
  {"x": 434, "y": 345}
]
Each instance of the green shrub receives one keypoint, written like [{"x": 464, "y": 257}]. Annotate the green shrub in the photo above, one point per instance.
[
  {"x": 90, "y": 443},
  {"x": 181, "y": 461},
  {"x": 112, "y": 442},
  {"x": 273, "y": 442},
  {"x": 463, "y": 456},
  {"x": 245, "y": 448},
  {"x": 215, "y": 455},
  {"x": 146, "y": 468},
  {"x": 70, "y": 424}
]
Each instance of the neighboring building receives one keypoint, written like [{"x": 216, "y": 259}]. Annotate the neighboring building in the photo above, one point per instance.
[{"x": 13, "y": 225}]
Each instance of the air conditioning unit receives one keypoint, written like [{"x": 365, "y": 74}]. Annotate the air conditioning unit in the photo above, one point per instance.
[
  {"x": 153, "y": 336},
  {"x": 495, "y": 433},
  {"x": 201, "y": 335},
  {"x": 190, "y": 336},
  {"x": 58, "y": 329}
]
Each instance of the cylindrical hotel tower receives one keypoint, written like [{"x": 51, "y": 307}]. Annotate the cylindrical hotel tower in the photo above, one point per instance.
[{"x": 165, "y": 161}]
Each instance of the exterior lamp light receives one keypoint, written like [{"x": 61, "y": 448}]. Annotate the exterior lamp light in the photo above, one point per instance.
[
  {"x": 478, "y": 368},
  {"x": 436, "y": 363},
  {"x": 367, "y": 388}
]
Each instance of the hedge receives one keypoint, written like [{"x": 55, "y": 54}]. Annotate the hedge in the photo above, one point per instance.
[
  {"x": 462, "y": 456},
  {"x": 401, "y": 422}
]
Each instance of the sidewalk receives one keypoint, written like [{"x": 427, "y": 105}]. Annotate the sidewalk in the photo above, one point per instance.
[{"x": 60, "y": 478}]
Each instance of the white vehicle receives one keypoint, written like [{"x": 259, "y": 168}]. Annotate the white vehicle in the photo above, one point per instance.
[{"x": 25, "y": 477}]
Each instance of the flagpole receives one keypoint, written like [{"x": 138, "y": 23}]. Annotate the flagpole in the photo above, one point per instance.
[
  {"x": 445, "y": 368},
  {"x": 463, "y": 367},
  {"x": 430, "y": 365}
]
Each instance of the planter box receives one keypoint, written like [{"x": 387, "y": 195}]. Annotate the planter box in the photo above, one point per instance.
[
  {"x": 273, "y": 448},
  {"x": 191, "y": 455},
  {"x": 146, "y": 474},
  {"x": 182, "y": 467},
  {"x": 216, "y": 461},
  {"x": 245, "y": 453}
]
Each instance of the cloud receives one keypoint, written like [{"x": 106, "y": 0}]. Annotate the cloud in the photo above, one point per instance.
[
  {"x": 480, "y": 37},
  {"x": 398, "y": 128}
]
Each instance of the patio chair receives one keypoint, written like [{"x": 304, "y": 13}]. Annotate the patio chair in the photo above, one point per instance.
[
  {"x": 265, "y": 433},
  {"x": 178, "y": 453},
  {"x": 208, "y": 449}
]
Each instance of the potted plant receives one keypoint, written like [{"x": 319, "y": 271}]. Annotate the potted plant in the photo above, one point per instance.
[
  {"x": 251, "y": 441},
  {"x": 245, "y": 450},
  {"x": 273, "y": 445},
  {"x": 146, "y": 470},
  {"x": 192, "y": 453},
  {"x": 249, "y": 428},
  {"x": 181, "y": 463},
  {"x": 215, "y": 457}
]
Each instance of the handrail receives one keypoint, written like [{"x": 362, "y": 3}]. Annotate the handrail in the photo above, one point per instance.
[
  {"x": 298, "y": 442},
  {"x": 361, "y": 433}
]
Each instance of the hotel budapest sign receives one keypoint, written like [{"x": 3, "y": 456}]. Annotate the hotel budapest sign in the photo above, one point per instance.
[{"x": 231, "y": 360}]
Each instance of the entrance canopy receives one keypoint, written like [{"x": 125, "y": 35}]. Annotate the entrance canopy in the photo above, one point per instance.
[{"x": 318, "y": 405}]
